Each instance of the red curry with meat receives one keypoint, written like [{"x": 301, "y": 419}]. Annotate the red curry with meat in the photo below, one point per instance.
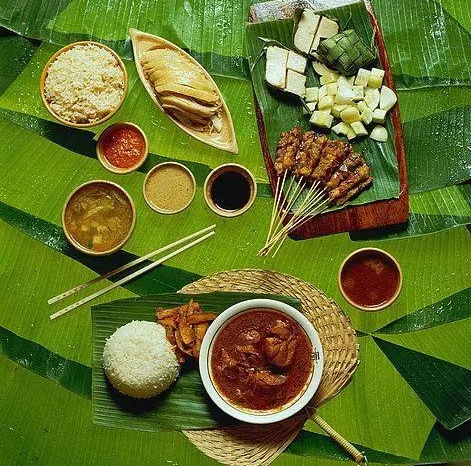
[{"x": 261, "y": 360}]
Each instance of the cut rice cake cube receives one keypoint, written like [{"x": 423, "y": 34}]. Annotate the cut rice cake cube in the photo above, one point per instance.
[
  {"x": 275, "y": 71},
  {"x": 340, "y": 98},
  {"x": 359, "y": 129},
  {"x": 326, "y": 29},
  {"x": 321, "y": 69},
  {"x": 312, "y": 94},
  {"x": 379, "y": 116},
  {"x": 311, "y": 106},
  {"x": 362, "y": 77},
  {"x": 350, "y": 114},
  {"x": 350, "y": 133},
  {"x": 306, "y": 30},
  {"x": 295, "y": 83},
  {"x": 387, "y": 98},
  {"x": 325, "y": 102},
  {"x": 371, "y": 97},
  {"x": 376, "y": 78},
  {"x": 296, "y": 62},
  {"x": 322, "y": 92},
  {"x": 336, "y": 109},
  {"x": 345, "y": 82},
  {"x": 367, "y": 116},
  {"x": 331, "y": 89},
  {"x": 340, "y": 128},
  {"x": 357, "y": 93},
  {"x": 379, "y": 133},
  {"x": 322, "y": 119},
  {"x": 362, "y": 106},
  {"x": 329, "y": 78}
]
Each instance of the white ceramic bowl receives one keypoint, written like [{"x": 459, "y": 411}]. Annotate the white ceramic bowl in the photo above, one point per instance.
[{"x": 251, "y": 416}]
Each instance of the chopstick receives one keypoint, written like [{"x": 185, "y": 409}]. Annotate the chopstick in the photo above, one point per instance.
[
  {"x": 124, "y": 267},
  {"x": 131, "y": 276}
]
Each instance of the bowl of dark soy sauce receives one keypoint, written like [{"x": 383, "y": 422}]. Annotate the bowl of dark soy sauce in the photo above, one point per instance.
[{"x": 230, "y": 190}]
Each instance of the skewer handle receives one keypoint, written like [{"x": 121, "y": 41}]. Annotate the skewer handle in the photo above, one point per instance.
[{"x": 356, "y": 454}]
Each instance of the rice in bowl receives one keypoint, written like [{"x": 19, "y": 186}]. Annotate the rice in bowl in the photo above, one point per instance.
[
  {"x": 84, "y": 84},
  {"x": 139, "y": 360}
]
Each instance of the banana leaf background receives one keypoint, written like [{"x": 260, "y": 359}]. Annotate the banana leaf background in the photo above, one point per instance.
[{"x": 410, "y": 399}]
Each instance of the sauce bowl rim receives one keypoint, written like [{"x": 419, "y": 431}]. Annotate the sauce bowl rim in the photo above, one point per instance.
[
  {"x": 379, "y": 307},
  {"x": 311, "y": 385}
]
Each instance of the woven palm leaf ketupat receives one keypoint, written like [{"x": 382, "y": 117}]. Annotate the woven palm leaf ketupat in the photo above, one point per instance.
[
  {"x": 247, "y": 444},
  {"x": 345, "y": 52}
]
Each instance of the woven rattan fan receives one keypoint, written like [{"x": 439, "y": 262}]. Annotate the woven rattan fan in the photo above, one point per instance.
[{"x": 247, "y": 444}]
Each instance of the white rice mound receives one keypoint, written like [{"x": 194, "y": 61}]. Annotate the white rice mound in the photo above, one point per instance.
[
  {"x": 84, "y": 84},
  {"x": 139, "y": 360}
]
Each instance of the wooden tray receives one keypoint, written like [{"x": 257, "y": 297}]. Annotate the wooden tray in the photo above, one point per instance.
[{"x": 375, "y": 214}]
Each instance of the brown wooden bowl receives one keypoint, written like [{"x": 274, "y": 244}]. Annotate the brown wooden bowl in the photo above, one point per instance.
[
  {"x": 75, "y": 243},
  {"x": 44, "y": 75},
  {"x": 218, "y": 171},
  {"x": 379, "y": 253},
  {"x": 104, "y": 161}
]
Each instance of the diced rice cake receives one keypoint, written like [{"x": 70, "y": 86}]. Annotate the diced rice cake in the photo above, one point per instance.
[{"x": 296, "y": 62}]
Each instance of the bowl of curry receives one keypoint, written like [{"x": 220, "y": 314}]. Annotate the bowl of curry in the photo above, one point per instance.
[{"x": 261, "y": 361}]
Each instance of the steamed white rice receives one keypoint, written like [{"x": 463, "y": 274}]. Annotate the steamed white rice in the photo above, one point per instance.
[
  {"x": 84, "y": 84},
  {"x": 139, "y": 360}
]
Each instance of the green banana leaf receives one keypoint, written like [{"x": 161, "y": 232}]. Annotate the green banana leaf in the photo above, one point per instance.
[
  {"x": 281, "y": 112},
  {"x": 185, "y": 405},
  {"x": 41, "y": 161}
]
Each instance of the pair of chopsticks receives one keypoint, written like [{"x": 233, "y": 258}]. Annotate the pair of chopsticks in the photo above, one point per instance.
[{"x": 206, "y": 232}]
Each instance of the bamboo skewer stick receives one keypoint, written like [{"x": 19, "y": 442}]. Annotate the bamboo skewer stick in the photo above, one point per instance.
[
  {"x": 356, "y": 454},
  {"x": 129, "y": 277},
  {"x": 312, "y": 204},
  {"x": 124, "y": 267}
]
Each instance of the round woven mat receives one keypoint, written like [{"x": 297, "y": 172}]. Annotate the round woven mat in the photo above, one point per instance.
[{"x": 248, "y": 444}]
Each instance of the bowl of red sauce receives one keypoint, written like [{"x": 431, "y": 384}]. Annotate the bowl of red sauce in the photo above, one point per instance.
[
  {"x": 261, "y": 361},
  {"x": 122, "y": 147},
  {"x": 370, "y": 279}
]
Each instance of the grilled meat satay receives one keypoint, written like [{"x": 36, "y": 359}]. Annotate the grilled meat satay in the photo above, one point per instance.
[
  {"x": 333, "y": 154},
  {"x": 347, "y": 188},
  {"x": 309, "y": 153},
  {"x": 354, "y": 191},
  {"x": 286, "y": 150},
  {"x": 351, "y": 162}
]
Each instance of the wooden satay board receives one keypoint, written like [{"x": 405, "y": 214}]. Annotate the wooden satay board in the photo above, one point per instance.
[{"x": 359, "y": 217}]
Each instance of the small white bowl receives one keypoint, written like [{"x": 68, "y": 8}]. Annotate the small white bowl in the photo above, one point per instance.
[{"x": 251, "y": 416}]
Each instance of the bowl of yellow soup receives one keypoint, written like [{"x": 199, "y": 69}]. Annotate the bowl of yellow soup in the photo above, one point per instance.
[{"x": 98, "y": 217}]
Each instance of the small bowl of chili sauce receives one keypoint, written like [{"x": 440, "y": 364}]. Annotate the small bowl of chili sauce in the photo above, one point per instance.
[
  {"x": 230, "y": 190},
  {"x": 122, "y": 147},
  {"x": 370, "y": 279},
  {"x": 261, "y": 361}
]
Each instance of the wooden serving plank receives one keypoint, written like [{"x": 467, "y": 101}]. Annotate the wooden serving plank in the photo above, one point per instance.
[{"x": 359, "y": 217}]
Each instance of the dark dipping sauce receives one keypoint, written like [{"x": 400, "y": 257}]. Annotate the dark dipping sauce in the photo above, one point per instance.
[
  {"x": 261, "y": 361},
  {"x": 230, "y": 191},
  {"x": 370, "y": 279}
]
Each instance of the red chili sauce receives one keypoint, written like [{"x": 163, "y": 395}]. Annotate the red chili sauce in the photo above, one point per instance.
[
  {"x": 370, "y": 279},
  {"x": 261, "y": 360},
  {"x": 123, "y": 147}
]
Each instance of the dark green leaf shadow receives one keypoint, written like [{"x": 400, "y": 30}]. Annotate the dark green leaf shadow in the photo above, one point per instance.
[{"x": 443, "y": 387}]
